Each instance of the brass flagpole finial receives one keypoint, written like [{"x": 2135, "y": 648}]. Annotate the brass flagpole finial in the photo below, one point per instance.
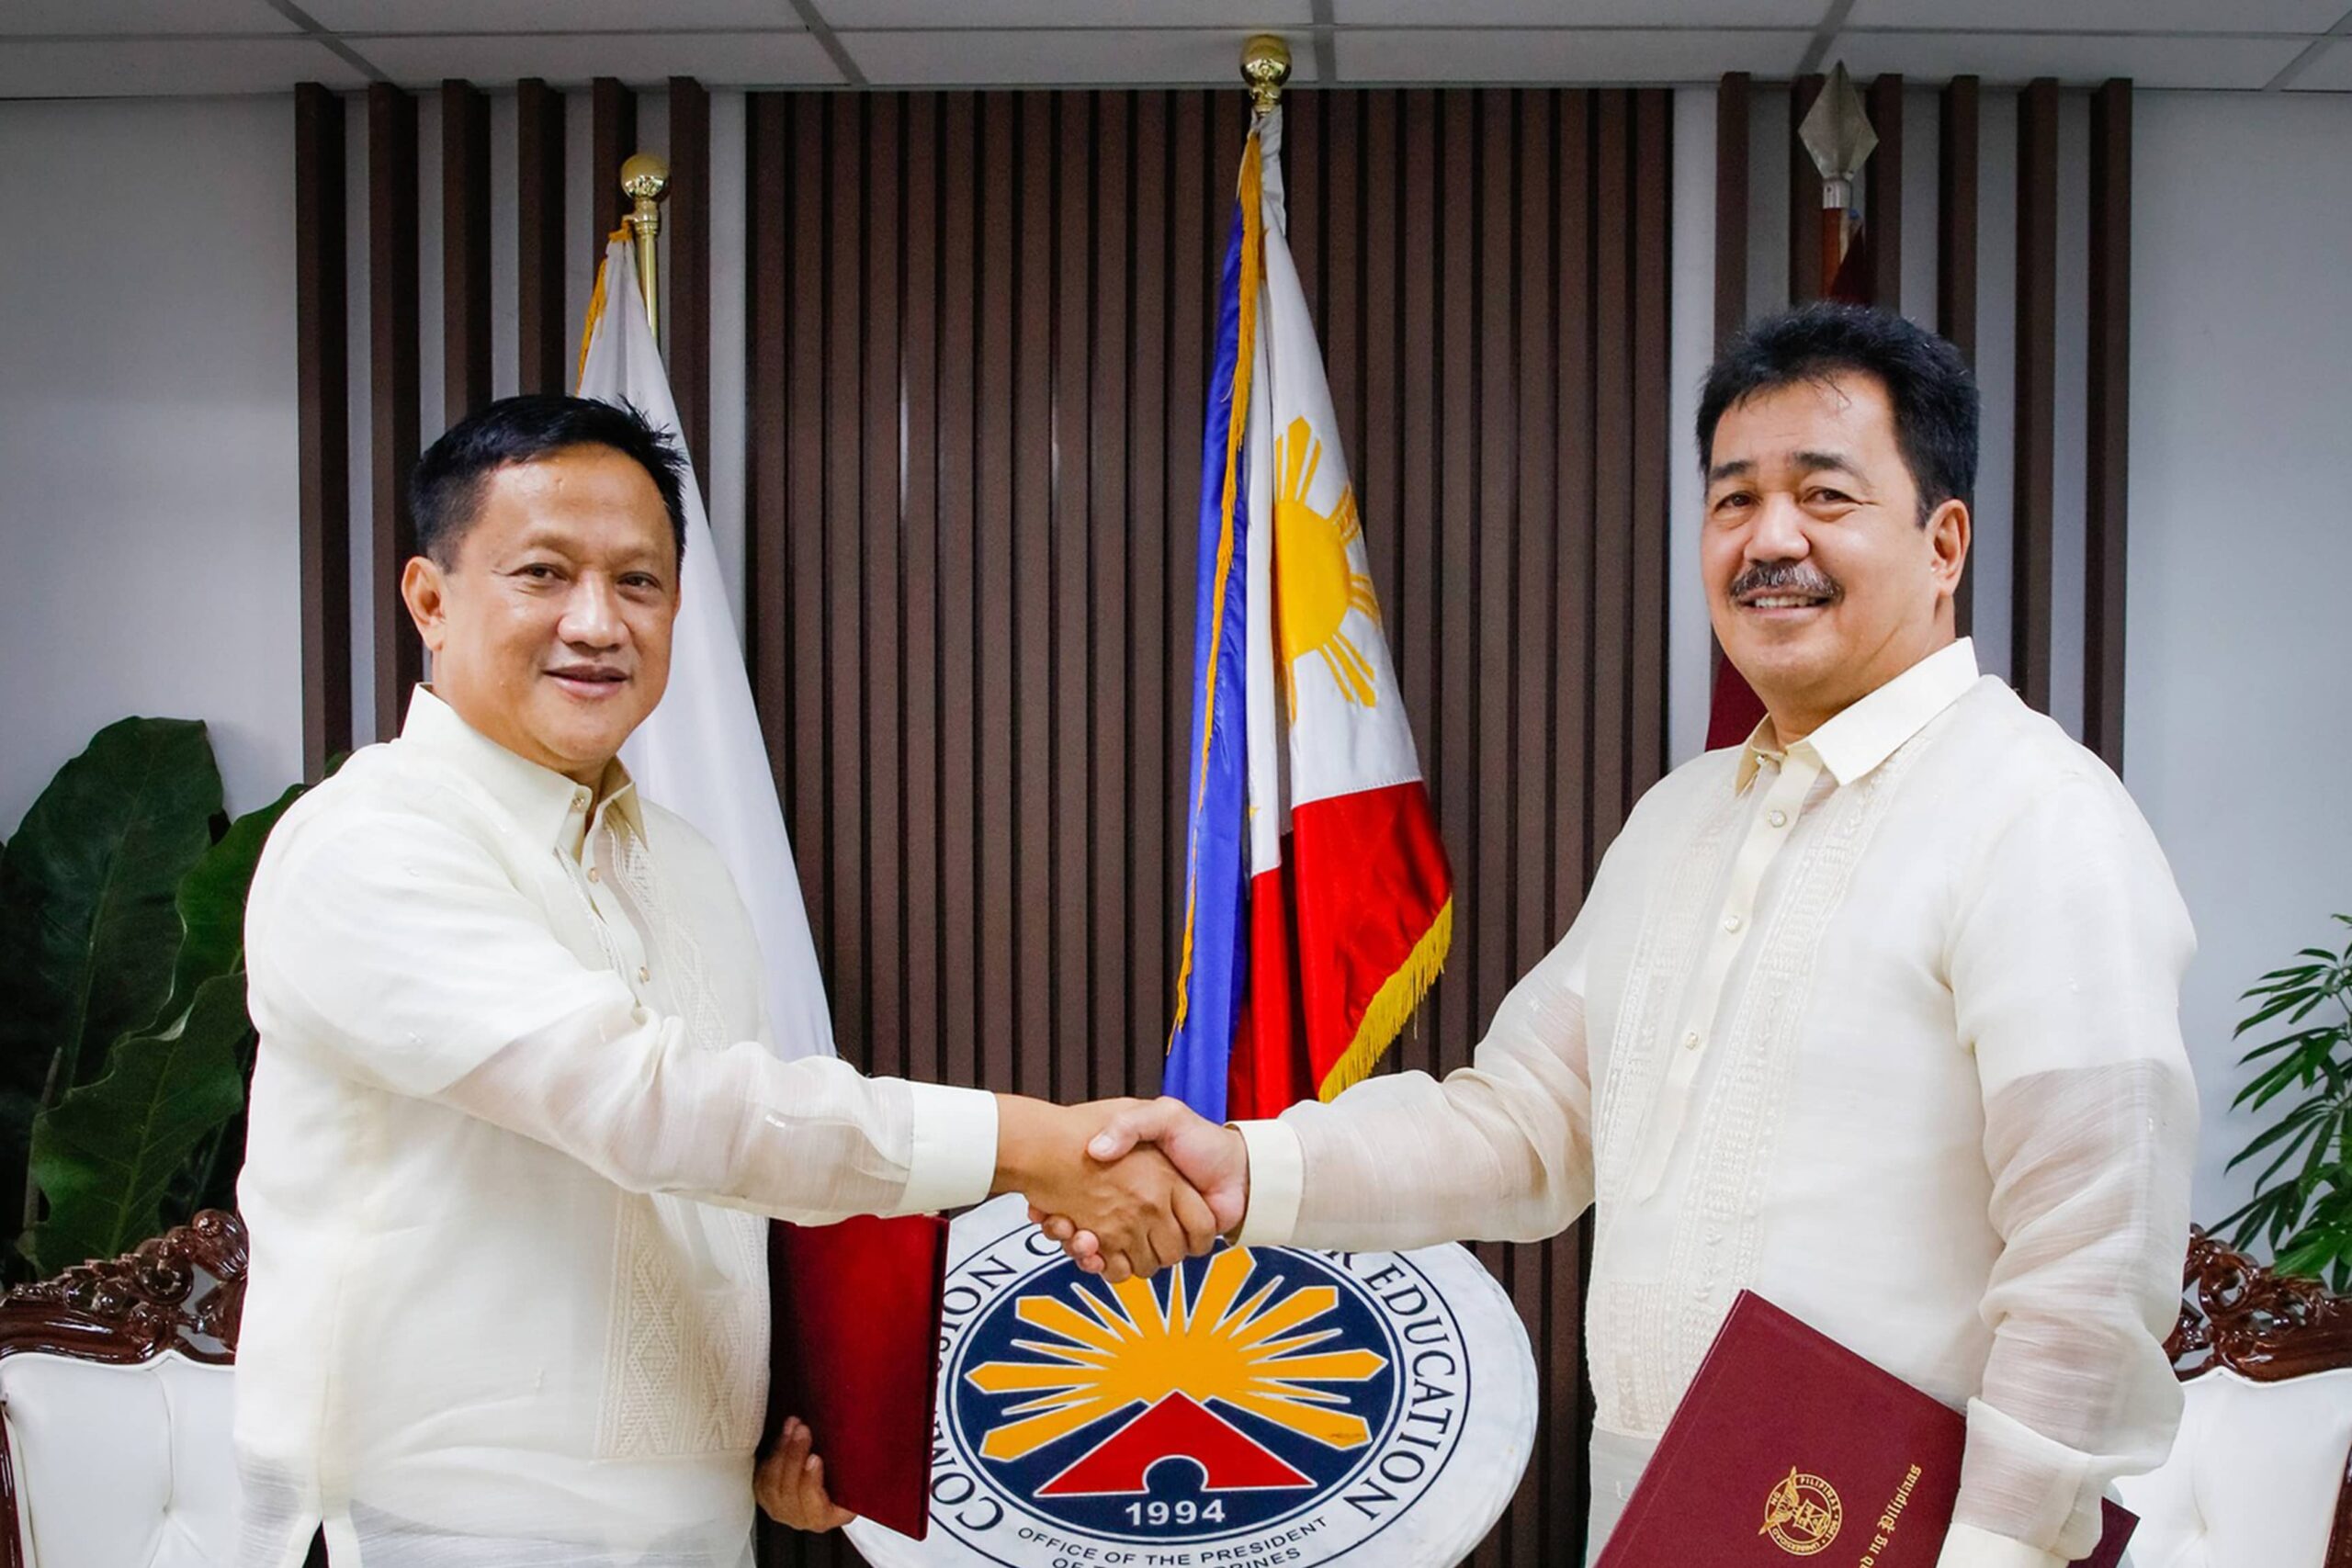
[
  {"x": 1265, "y": 65},
  {"x": 646, "y": 178}
]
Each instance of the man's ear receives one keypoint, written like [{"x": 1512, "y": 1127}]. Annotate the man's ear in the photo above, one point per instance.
[
  {"x": 426, "y": 591},
  {"x": 1948, "y": 537}
]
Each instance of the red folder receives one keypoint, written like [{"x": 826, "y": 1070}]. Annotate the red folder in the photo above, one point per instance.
[
  {"x": 1788, "y": 1446},
  {"x": 855, "y": 1323}
]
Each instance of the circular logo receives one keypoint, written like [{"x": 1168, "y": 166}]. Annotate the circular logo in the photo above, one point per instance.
[
  {"x": 1259, "y": 1403},
  {"x": 1801, "y": 1514}
]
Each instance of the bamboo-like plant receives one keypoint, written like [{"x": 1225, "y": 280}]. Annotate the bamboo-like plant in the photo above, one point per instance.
[
  {"x": 124, "y": 1044},
  {"x": 2301, "y": 1207}
]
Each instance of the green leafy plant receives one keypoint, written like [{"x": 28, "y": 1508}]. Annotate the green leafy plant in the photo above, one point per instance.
[
  {"x": 2301, "y": 1207},
  {"x": 124, "y": 1044}
]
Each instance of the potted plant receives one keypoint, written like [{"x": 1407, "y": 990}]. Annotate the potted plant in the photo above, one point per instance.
[
  {"x": 2301, "y": 1207},
  {"x": 124, "y": 1045}
]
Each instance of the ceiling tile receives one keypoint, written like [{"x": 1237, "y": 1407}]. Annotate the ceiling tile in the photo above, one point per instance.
[
  {"x": 108, "y": 16},
  {"x": 729, "y": 59},
  {"x": 1242, "y": 16},
  {"x": 1584, "y": 13},
  {"x": 2330, "y": 72},
  {"x": 546, "y": 16},
  {"x": 2069, "y": 57},
  {"x": 134, "y": 67},
  {"x": 1508, "y": 54},
  {"x": 1096, "y": 57},
  {"x": 2106, "y": 16}
]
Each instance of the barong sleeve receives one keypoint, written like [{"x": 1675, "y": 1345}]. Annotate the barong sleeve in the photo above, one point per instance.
[
  {"x": 400, "y": 952},
  {"x": 1501, "y": 1150},
  {"x": 2065, "y": 967}
]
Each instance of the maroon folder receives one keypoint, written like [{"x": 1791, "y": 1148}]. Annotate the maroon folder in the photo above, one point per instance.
[
  {"x": 1788, "y": 1446},
  {"x": 855, "y": 1355}
]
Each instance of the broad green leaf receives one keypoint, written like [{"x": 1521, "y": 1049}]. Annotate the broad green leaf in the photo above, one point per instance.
[
  {"x": 2272, "y": 1008},
  {"x": 97, "y": 863},
  {"x": 211, "y": 901},
  {"x": 104, "y": 1155}
]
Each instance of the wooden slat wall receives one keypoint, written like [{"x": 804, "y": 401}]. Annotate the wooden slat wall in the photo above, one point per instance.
[
  {"x": 612, "y": 136},
  {"x": 395, "y": 372},
  {"x": 974, "y": 662},
  {"x": 1805, "y": 281},
  {"x": 465, "y": 250},
  {"x": 2034, "y": 552},
  {"x": 1957, "y": 153},
  {"x": 2106, "y": 399},
  {"x": 324, "y": 357},
  {"x": 540, "y": 329},
  {"x": 1882, "y": 191},
  {"x": 685, "y": 220}
]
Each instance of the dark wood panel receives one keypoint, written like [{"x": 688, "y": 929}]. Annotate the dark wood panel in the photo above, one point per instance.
[
  {"x": 540, "y": 329},
  {"x": 767, "y": 323},
  {"x": 323, "y": 380},
  {"x": 1732, "y": 137},
  {"x": 980, "y": 328},
  {"x": 1805, "y": 282},
  {"x": 1956, "y": 198},
  {"x": 395, "y": 372},
  {"x": 2107, "y": 409},
  {"x": 685, "y": 219},
  {"x": 612, "y": 139},
  {"x": 1882, "y": 191},
  {"x": 2033, "y": 515},
  {"x": 465, "y": 250}
]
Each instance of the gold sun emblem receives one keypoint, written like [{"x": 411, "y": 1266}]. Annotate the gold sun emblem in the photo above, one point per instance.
[
  {"x": 1802, "y": 1515},
  {"x": 1315, "y": 583},
  {"x": 1256, "y": 1357}
]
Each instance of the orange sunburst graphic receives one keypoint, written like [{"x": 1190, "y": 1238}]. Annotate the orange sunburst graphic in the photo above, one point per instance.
[
  {"x": 1257, "y": 1356},
  {"x": 1315, "y": 581}
]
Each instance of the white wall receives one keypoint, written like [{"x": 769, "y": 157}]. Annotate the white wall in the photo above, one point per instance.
[
  {"x": 2238, "y": 721},
  {"x": 147, "y": 434}
]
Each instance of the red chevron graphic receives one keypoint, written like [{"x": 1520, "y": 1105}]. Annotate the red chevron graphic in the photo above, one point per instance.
[{"x": 1175, "y": 1427}]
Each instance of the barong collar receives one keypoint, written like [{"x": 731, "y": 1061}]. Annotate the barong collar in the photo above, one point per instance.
[
  {"x": 543, "y": 802},
  {"x": 1857, "y": 740}
]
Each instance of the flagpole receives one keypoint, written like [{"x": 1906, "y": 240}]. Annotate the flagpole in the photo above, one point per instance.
[
  {"x": 1265, "y": 65},
  {"x": 646, "y": 178}
]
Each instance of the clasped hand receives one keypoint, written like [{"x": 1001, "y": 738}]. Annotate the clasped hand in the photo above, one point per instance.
[{"x": 1126, "y": 1186}]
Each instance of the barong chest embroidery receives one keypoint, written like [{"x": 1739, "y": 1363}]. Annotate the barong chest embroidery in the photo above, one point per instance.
[{"x": 1649, "y": 1334}]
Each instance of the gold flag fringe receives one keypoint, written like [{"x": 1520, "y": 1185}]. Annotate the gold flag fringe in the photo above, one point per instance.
[{"x": 1392, "y": 1007}]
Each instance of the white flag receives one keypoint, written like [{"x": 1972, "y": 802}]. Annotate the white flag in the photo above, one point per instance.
[{"x": 700, "y": 754}]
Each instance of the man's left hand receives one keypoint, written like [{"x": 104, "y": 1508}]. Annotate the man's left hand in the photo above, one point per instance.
[{"x": 790, "y": 1484}]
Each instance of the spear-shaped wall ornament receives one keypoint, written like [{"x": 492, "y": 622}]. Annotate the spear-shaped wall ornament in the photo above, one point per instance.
[{"x": 1837, "y": 131}]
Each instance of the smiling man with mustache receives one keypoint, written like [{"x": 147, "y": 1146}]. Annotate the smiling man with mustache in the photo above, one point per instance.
[
  {"x": 1875, "y": 1014},
  {"x": 516, "y": 1120}
]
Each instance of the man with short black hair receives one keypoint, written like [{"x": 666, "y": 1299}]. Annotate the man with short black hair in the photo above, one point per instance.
[
  {"x": 515, "y": 1121},
  {"x": 1875, "y": 1014}
]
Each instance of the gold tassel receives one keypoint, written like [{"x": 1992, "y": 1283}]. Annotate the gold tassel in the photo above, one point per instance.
[{"x": 1392, "y": 1007}]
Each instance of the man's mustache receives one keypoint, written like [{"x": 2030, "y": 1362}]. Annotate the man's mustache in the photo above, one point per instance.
[{"x": 1783, "y": 577}]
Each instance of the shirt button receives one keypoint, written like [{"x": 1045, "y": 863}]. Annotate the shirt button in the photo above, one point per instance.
[
  {"x": 1778, "y": 818},
  {"x": 643, "y": 973},
  {"x": 1732, "y": 922},
  {"x": 592, "y": 873},
  {"x": 1691, "y": 1041}
]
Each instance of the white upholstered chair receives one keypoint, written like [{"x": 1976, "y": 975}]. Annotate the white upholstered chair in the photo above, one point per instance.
[
  {"x": 115, "y": 1407},
  {"x": 2258, "y": 1477}
]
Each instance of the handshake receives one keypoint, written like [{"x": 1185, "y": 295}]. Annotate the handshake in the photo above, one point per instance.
[{"x": 1127, "y": 1186}]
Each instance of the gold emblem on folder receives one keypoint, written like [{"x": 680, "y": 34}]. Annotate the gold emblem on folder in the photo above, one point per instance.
[{"x": 1802, "y": 1515}]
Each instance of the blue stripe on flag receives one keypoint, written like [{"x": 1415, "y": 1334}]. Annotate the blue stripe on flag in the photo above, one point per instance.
[{"x": 1201, "y": 1049}]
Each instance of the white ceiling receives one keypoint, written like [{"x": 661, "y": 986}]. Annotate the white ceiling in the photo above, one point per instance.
[{"x": 108, "y": 47}]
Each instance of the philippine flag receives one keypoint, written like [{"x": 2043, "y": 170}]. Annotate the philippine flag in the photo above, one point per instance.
[{"x": 1317, "y": 904}]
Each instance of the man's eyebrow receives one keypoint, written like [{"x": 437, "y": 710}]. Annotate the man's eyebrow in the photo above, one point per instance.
[
  {"x": 1813, "y": 462},
  {"x": 1738, "y": 467}
]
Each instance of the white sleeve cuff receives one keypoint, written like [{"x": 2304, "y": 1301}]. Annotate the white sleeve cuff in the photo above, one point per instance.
[
  {"x": 1965, "y": 1546},
  {"x": 1277, "y": 1172},
  {"x": 953, "y": 1159}
]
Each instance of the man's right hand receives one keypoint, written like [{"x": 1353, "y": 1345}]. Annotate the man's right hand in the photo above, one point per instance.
[
  {"x": 1215, "y": 1159},
  {"x": 1139, "y": 1212}
]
